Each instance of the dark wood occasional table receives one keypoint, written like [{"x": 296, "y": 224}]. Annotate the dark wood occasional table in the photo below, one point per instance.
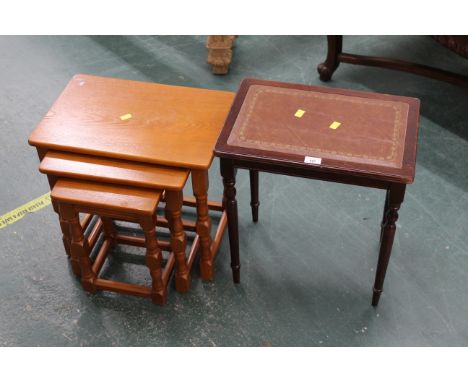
[{"x": 351, "y": 137}]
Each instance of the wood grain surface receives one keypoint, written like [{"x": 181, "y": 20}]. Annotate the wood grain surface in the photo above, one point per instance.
[
  {"x": 168, "y": 125},
  {"x": 106, "y": 170},
  {"x": 100, "y": 195},
  {"x": 402, "y": 142}
]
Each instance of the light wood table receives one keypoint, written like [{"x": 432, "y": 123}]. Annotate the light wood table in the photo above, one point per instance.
[
  {"x": 142, "y": 122},
  {"x": 132, "y": 177}
]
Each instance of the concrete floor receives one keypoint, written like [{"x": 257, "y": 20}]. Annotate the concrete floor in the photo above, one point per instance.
[{"x": 307, "y": 266}]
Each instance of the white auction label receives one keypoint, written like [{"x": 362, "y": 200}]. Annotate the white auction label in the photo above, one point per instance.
[{"x": 312, "y": 160}]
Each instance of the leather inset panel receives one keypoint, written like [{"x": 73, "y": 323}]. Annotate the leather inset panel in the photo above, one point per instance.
[{"x": 372, "y": 131}]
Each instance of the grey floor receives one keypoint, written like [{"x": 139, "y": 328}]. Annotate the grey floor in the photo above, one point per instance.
[{"x": 307, "y": 266}]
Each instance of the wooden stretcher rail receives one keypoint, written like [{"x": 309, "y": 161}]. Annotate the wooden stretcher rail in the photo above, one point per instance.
[
  {"x": 188, "y": 225},
  {"x": 193, "y": 251},
  {"x": 94, "y": 235},
  {"x": 219, "y": 234},
  {"x": 120, "y": 287},
  {"x": 101, "y": 256},
  {"x": 85, "y": 221},
  {"x": 140, "y": 241},
  {"x": 165, "y": 245},
  {"x": 131, "y": 289},
  {"x": 212, "y": 205}
]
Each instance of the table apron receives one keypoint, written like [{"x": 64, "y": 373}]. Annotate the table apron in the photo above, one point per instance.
[{"x": 310, "y": 174}]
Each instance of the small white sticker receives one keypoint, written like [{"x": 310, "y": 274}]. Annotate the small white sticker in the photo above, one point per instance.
[{"x": 312, "y": 160}]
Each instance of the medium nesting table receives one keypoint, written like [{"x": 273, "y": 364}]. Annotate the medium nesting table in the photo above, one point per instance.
[
  {"x": 142, "y": 123},
  {"x": 351, "y": 137}
]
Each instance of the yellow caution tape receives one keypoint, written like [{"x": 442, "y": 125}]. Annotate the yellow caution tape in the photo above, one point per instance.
[{"x": 28, "y": 208}]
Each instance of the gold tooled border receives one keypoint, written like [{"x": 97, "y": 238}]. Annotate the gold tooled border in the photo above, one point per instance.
[{"x": 398, "y": 122}]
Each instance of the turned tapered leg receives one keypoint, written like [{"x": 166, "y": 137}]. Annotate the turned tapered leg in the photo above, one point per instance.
[
  {"x": 65, "y": 233},
  {"x": 254, "y": 203},
  {"x": 200, "y": 190},
  {"x": 79, "y": 247},
  {"x": 396, "y": 194},
  {"x": 109, "y": 228},
  {"x": 228, "y": 172},
  {"x": 327, "y": 68},
  {"x": 384, "y": 216},
  {"x": 63, "y": 224},
  {"x": 173, "y": 213},
  {"x": 66, "y": 239},
  {"x": 153, "y": 260}
]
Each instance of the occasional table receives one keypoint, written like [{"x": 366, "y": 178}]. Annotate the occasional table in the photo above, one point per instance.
[
  {"x": 145, "y": 123},
  {"x": 351, "y": 137}
]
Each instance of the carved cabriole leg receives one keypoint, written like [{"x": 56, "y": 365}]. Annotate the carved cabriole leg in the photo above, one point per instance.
[
  {"x": 327, "y": 68},
  {"x": 228, "y": 172},
  {"x": 173, "y": 212},
  {"x": 220, "y": 53},
  {"x": 153, "y": 260},
  {"x": 254, "y": 203},
  {"x": 396, "y": 194},
  {"x": 79, "y": 247},
  {"x": 200, "y": 190}
]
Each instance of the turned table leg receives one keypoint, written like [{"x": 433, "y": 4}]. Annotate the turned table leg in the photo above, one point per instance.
[
  {"x": 384, "y": 216},
  {"x": 65, "y": 235},
  {"x": 109, "y": 229},
  {"x": 63, "y": 224},
  {"x": 200, "y": 190},
  {"x": 327, "y": 68},
  {"x": 228, "y": 172},
  {"x": 254, "y": 203},
  {"x": 66, "y": 238},
  {"x": 153, "y": 261},
  {"x": 79, "y": 247},
  {"x": 395, "y": 196},
  {"x": 173, "y": 213}
]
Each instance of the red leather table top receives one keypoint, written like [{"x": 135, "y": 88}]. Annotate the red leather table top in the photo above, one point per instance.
[
  {"x": 371, "y": 131},
  {"x": 343, "y": 129}
]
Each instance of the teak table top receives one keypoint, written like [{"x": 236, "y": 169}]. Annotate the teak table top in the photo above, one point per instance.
[
  {"x": 327, "y": 129},
  {"x": 138, "y": 121},
  {"x": 99, "y": 195},
  {"x": 106, "y": 170}
]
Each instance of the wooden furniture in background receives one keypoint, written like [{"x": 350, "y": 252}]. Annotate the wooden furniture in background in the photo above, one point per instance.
[
  {"x": 458, "y": 44},
  {"x": 335, "y": 56},
  {"x": 337, "y": 135},
  {"x": 220, "y": 53},
  {"x": 145, "y": 123}
]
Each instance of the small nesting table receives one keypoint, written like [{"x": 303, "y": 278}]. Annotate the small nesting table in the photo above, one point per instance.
[
  {"x": 351, "y": 137},
  {"x": 123, "y": 203},
  {"x": 144, "y": 123},
  {"x": 137, "y": 179}
]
